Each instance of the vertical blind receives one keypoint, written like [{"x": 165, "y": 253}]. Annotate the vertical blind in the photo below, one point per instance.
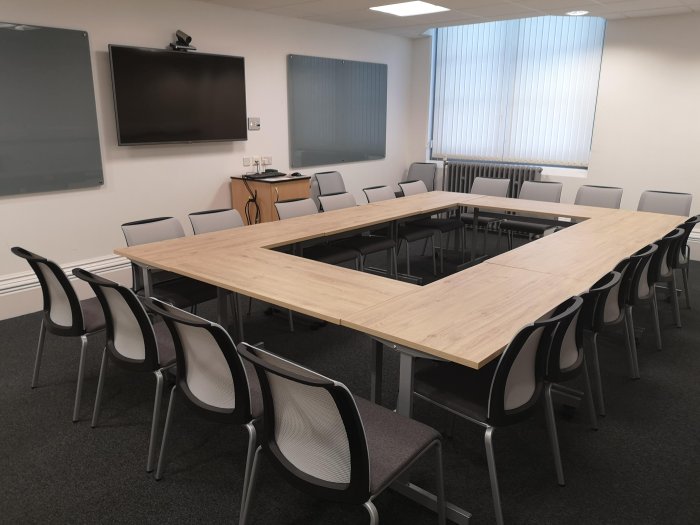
[{"x": 518, "y": 90}]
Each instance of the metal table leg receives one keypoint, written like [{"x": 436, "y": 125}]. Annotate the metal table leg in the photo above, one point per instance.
[
  {"x": 221, "y": 308},
  {"x": 376, "y": 372}
]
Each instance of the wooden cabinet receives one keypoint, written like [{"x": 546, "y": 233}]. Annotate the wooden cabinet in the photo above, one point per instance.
[{"x": 265, "y": 192}]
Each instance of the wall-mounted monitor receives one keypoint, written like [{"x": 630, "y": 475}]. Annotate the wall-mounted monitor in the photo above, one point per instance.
[{"x": 163, "y": 96}]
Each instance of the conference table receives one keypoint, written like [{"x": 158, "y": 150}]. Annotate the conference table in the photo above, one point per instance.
[{"x": 468, "y": 317}]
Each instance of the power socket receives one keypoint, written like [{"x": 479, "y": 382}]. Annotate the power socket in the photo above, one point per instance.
[
  {"x": 246, "y": 161},
  {"x": 266, "y": 161}
]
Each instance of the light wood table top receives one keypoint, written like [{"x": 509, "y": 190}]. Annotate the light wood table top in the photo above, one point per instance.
[{"x": 468, "y": 317}]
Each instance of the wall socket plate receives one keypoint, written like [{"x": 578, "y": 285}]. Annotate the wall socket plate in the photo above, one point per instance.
[
  {"x": 246, "y": 161},
  {"x": 254, "y": 123},
  {"x": 266, "y": 161}
]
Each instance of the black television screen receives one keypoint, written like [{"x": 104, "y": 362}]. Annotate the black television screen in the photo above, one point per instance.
[{"x": 173, "y": 96}]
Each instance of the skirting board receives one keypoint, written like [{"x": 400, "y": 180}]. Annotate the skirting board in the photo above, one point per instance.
[{"x": 20, "y": 293}]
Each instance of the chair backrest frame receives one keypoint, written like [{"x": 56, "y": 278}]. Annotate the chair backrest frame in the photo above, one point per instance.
[
  {"x": 330, "y": 182},
  {"x": 425, "y": 171},
  {"x": 594, "y": 300},
  {"x": 215, "y": 220},
  {"x": 541, "y": 191},
  {"x": 379, "y": 193},
  {"x": 493, "y": 187},
  {"x": 668, "y": 202},
  {"x": 291, "y": 208},
  {"x": 413, "y": 187},
  {"x": 600, "y": 196},
  {"x": 337, "y": 201}
]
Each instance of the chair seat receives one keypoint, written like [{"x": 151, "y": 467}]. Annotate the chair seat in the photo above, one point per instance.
[
  {"x": 93, "y": 315},
  {"x": 393, "y": 442},
  {"x": 164, "y": 341},
  {"x": 461, "y": 389},
  {"x": 330, "y": 254},
  {"x": 525, "y": 227},
  {"x": 366, "y": 244},
  {"x": 482, "y": 219},
  {"x": 183, "y": 292},
  {"x": 410, "y": 232},
  {"x": 443, "y": 225}
]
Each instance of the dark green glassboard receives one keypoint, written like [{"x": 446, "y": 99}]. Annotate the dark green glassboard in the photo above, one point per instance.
[
  {"x": 337, "y": 110},
  {"x": 48, "y": 120}
]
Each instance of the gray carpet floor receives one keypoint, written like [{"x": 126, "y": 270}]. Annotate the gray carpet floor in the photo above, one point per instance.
[{"x": 641, "y": 467}]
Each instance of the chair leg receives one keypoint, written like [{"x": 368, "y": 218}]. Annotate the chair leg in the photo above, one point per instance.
[
  {"x": 493, "y": 477},
  {"x": 362, "y": 263},
  {"x": 290, "y": 315},
  {"x": 596, "y": 376},
  {"x": 39, "y": 352},
  {"x": 684, "y": 274},
  {"x": 589, "y": 395},
  {"x": 245, "y": 507},
  {"x": 395, "y": 263},
  {"x": 432, "y": 253},
  {"x": 408, "y": 258},
  {"x": 100, "y": 387},
  {"x": 252, "y": 442},
  {"x": 631, "y": 343},
  {"x": 157, "y": 402},
  {"x": 373, "y": 514},
  {"x": 442, "y": 254},
  {"x": 166, "y": 430},
  {"x": 81, "y": 372},
  {"x": 674, "y": 300},
  {"x": 440, "y": 485},
  {"x": 553, "y": 437},
  {"x": 655, "y": 315}
]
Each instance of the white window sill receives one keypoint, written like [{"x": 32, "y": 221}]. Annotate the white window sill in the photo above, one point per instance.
[{"x": 574, "y": 173}]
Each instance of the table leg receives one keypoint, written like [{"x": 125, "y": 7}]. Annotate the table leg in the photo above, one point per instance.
[
  {"x": 239, "y": 316},
  {"x": 147, "y": 282},
  {"x": 221, "y": 308},
  {"x": 404, "y": 402},
  {"x": 475, "y": 227},
  {"x": 376, "y": 371}
]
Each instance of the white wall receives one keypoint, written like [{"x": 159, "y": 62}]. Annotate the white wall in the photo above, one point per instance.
[{"x": 148, "y": 181}]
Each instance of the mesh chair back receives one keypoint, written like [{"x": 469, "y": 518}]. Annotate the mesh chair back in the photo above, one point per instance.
[
  {"x": 662, "y": 262},
  {"x": 210, "y": 372},
  {"x": 130, "y": 336},
  {"x": 338, "y": 201},
  {"x": 215, "y": 220},
  {"x": 330, "y": 182},
  {"x": 413, "y": 187},
  {"x": 312, "y": 428},
  {"x": 641, "y": 279},
  {"x": 541, "y": 191},
  {"x": 490, "y": 187},
  {"x": 150, "y": 230},
  {"x": 614, "y": 305},
  {"x": 62, "y": 312},
  {"x": 600, "y": 196},
  {"x": 379, "y": 193},
  {"x": 595, "y": 299},
  {"x": 295, "y": 208},
  {"x": 669, "y": 202},
  {"x": 517, "y": 382},
  {"x": 424, "y": 171}
]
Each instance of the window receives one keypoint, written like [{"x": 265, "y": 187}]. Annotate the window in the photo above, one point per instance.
[{"x": 521, "y": 91}]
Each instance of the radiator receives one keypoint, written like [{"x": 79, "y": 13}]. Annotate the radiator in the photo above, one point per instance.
[{"x": 459, "y": 176}]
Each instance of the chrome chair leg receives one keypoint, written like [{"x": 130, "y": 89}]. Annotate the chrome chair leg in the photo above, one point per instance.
[
  {"x": 166, "y": 430},
  {"x": 655, "y": 315},
  {"x": 553, "y": 437},
  {"x": 589, "y": 395},
  {"x": 684, "y": 274},
  {"x": 245, "y": 507},
  {"x": 100, "y": 387},
  {"x": 290, "y": 315},
  {"x": 252, "y": 441},
  {"x": 632, "y": 344},
  {"x": 157, "y": 402},
  {"x": 493, "y": 477},
  {"x": 81, "y": 372},
  {"x": 440, "y": 499},
  {"x": 39, "y": 352},
  {"x": 596, "y": 376},
  {"x": 674, "y": 300},
  {"x": 408, "y": 258},
  {"x": 373, "y": 514}
]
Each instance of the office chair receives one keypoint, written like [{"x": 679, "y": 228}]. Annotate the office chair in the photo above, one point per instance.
[
  {"x": 669, "y": 202},
  {"x": 365, "y": 244},
  {"x": 133, "y": 343},
  {"x": 600, "y": 196},
  {"x": 505, "y": 391},
  {"x": 492, "y": 188},
  {"x": 211, "y": 379},
  {"x": 329, "y": 443},
  {"x": 407, "y": 232},
  {"x": 63, "y": 314},
  {"x": 215, "y": 220},
  {"x": 423, "y": 171},
  {"x": 534, "y": 191},
  {"x": 183, "y": 292},
  {"x": 681, "y": 260}
]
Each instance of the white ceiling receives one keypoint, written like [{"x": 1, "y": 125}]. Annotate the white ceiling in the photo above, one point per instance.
[{"x": 356, "y": 13}]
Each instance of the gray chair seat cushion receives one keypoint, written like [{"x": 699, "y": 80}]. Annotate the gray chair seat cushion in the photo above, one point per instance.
[
  {"x": 393, "y": 441},
  {"x": 366, "y": 244},
  {"x": 456, "y": 387},
  {"x": 525, "y": 227},
  {"x": 330, "y": 254},
  {"x": 444, "y": 225},
  {"x": 411, "y": 233},
  {"x": 164, "y": 340},
  {"x": 184, "y": 292},
  {"x": 93, "y": 315},
  {"x": 482, "y": 219}
]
